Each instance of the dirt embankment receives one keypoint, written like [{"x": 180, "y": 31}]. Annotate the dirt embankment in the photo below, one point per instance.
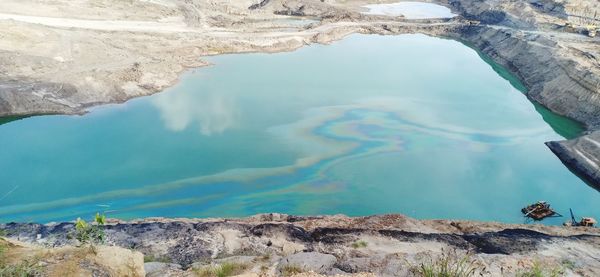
[
  {"x": 53, "y": 60},
  {"x": 276, "y": 245}
]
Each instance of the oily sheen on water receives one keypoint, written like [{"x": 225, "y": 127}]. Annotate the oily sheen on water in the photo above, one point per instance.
[{"x": 405, "y": 124}]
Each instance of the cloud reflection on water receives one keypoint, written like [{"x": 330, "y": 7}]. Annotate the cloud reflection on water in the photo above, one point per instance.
[{"x": 211, "y": 112}]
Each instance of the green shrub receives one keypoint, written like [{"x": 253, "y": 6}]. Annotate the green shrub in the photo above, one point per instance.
[
  {"x": 90, "y": 233},
  {"x": 359, "y": 244},
  {"x": 449, "y": 265}
]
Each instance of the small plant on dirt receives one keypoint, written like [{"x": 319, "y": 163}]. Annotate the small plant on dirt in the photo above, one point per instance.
[
  {"x": 222, "y": 270},
  {"x": 3, "y": 249},
  {"x": 90, "y": 233},
  {"x": 290, "y": 270},
  {"x": 449, "y": 265},
  {"x": 568, "y": 264},
  {"x": 359, "y": 244},
  {"x": 230, "y": 269},
  {"x": 160, "y": 259},
  {"x": 264, "y": 258},
  {"x": 22, "y": 269},
  {"x": 538, "y": 270}
]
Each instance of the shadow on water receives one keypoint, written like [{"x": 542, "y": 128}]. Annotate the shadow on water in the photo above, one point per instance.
[
  {"x": 7, "y": 119},
  {"x": 584, "y": 178},
  {"x": 565, "y": 127}
]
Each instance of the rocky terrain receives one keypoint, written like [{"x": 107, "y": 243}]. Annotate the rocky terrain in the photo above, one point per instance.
[
  {"x": 65, "y": 56},
  {"x": 282, "y": 245},
  {"x": 582, "y": 155},
  {"x": 22, "y": 259}
]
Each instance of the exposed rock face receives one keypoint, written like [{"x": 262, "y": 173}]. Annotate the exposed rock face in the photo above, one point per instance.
[
  {"x": 387, "y": 245},
  {"x": 21, "y": 96},
  {"x": 564, "y": 86},
  {"x": 561, "y": 70},
  {"x": 158, "y": 269},
  {"x": 309, "y": 261},
  {"x": 582, "y": 155}
]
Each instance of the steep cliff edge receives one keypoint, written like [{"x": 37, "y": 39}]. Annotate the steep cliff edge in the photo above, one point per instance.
[
  {"x": 546, "y": 68},
  {"x": 582, "y": 155},
  {"x": 560, "y": 69}
]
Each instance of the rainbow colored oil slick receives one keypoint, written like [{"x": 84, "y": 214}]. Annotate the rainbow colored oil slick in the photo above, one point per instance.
[{"x": 408, "y": 124}]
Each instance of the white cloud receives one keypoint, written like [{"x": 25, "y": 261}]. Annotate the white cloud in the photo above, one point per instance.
[{"x": 212, "y": 113}]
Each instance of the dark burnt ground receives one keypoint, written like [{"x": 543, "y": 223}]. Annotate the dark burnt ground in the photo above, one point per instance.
[{"x": 187, "y": 243}]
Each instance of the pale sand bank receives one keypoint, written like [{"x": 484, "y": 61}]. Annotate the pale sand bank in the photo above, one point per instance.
[{"x": 410, "y": 10}]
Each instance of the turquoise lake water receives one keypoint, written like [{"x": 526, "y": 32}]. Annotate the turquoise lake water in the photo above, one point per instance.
[{"x": 406, "y": 124}]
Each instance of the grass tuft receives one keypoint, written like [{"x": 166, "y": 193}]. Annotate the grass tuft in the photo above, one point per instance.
[
  {"x": 222, "y": 270},
  {"x": 160, "y": 259},
  {"x": 449, "y": 265},
  {"x": 359, "y": 244},
  {"x": 568, "y": 264},
  {"x": 290, "y": 270},
  {"x": 264, "y": 258},
  {"x": 4, "y": 245},
  {"x": 537, "y": 270},
  {"x": 22, "y": 269}
]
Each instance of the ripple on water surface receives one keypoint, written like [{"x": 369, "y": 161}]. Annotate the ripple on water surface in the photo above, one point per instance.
[{"x": 409, "y": 124}]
